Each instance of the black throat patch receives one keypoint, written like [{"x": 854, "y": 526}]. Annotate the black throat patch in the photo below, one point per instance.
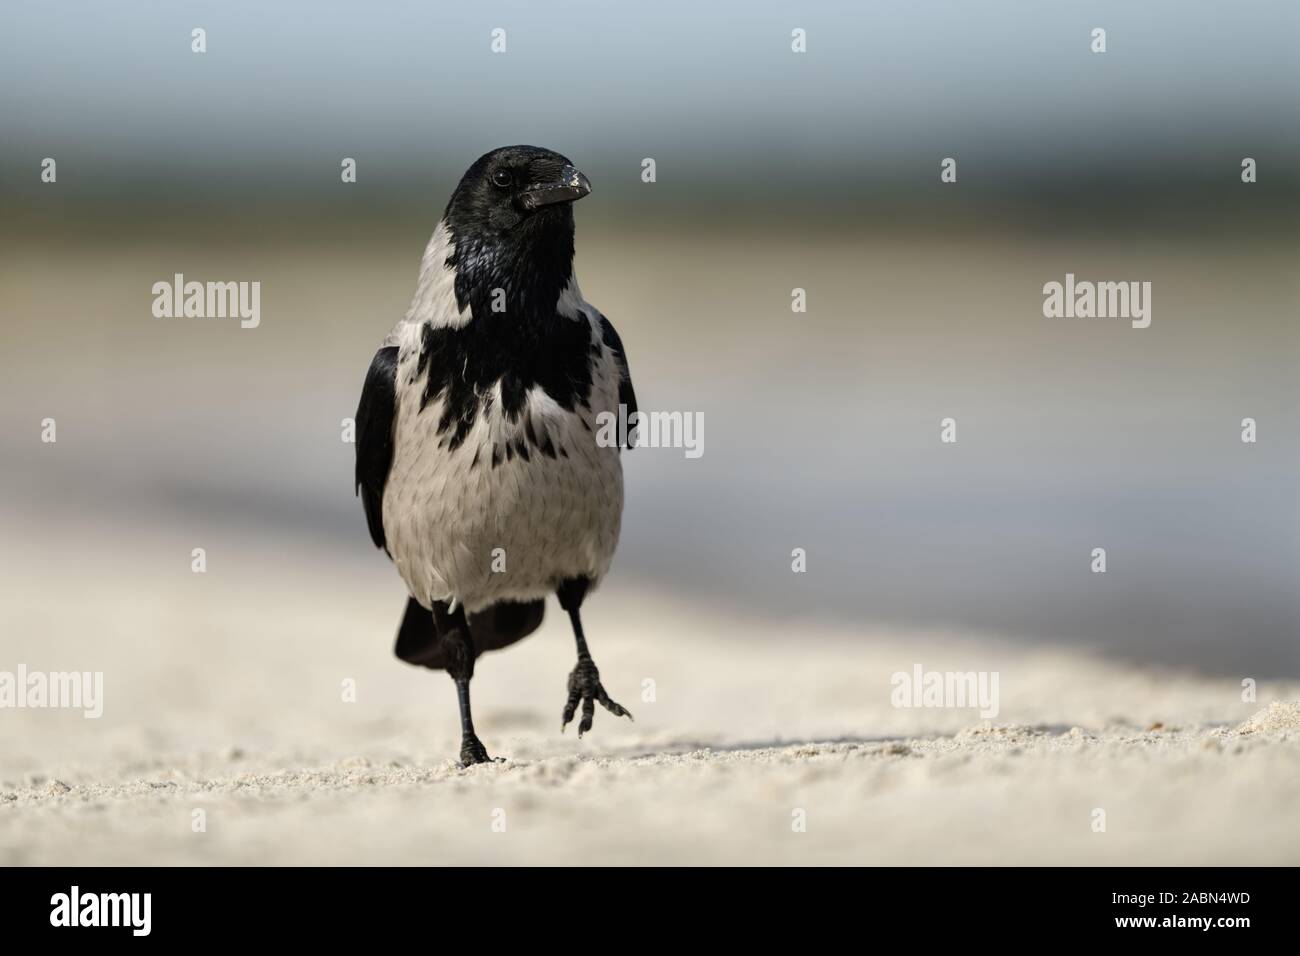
[{"x": 553, "y": 353}]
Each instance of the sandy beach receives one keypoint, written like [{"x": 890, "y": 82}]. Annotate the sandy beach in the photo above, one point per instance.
[{"x": 754, "y": 742}]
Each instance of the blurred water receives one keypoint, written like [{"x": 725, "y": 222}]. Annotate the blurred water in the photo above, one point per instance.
[{"x": 822, "y": 430}]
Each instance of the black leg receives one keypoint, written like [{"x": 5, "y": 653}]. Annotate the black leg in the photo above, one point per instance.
[
  {"x": 458, "y": 647},
  {"x": 584, "y": 679}
]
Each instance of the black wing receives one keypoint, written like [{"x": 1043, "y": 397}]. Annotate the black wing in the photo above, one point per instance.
[
  {"x": 375, "y": 417},
  {"x": 626, "y": 394}
]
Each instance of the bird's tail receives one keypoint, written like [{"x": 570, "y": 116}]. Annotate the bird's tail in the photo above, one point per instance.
[{"x": 419, "y": 643}]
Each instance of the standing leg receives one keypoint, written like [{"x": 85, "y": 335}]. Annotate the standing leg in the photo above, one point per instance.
[
  {"x": 584, "y": 679},
  {"x": 454, "y": 636}
]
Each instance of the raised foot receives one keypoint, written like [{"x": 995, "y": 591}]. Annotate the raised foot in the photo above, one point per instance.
[
  {"x": 472, "y": 751},
  {"x": 584, "y": 685}
]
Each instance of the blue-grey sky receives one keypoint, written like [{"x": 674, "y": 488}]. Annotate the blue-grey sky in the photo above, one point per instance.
[{"x": 713, "y": 88}]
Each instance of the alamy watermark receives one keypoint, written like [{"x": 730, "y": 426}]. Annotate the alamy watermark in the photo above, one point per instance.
[
  {"x": 61, "y": 690},
  {"x": 651, "y": 430},
  {"x": 946, "y": 689},
  {"x": 1098, "y": 300},
  {"x": 208, "y": 300},
  {"x": 75, "y": 908}
]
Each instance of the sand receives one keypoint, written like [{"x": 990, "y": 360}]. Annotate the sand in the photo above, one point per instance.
[{"x": 764, "y": 741}]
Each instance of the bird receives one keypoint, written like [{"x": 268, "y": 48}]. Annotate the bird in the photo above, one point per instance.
[{"x": 479, "y": 462}]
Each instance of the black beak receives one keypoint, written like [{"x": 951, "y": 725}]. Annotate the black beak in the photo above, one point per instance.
[{"x": 570, "y": 187}]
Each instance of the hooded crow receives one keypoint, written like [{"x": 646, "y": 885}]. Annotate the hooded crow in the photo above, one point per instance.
[{"x": 478, "y": 464}]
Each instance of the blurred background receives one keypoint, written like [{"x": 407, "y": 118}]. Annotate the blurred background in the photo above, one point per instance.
[{"x": 774, "y": 171}]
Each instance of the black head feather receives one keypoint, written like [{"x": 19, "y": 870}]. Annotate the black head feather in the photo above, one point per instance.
[{"x": 511, "y": 221}]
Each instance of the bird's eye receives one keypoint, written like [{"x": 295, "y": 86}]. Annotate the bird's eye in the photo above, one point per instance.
[{"x": 501, "y": 178}]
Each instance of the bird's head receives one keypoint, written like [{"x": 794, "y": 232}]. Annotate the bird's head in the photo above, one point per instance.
[
  {"x": 511, "y": 220},
  {"x": 517, "y": 188}
]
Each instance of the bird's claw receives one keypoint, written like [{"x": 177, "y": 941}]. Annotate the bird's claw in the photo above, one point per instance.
[
  {"x": 472, "y": 751},
  {"x": 584, "y": 686}
]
